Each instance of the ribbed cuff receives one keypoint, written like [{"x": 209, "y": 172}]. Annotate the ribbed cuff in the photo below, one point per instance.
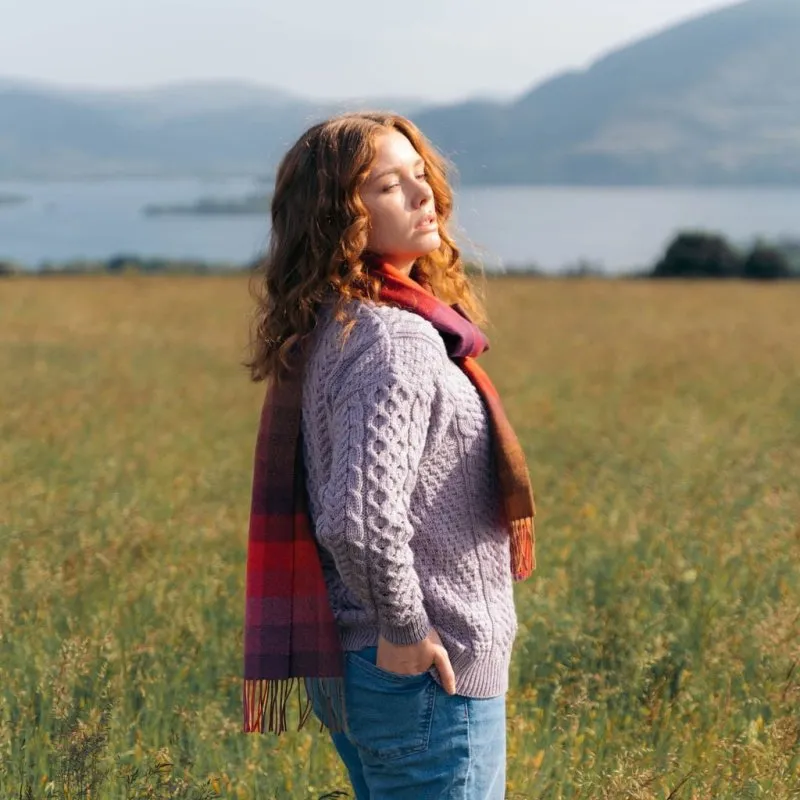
[{"x": 414, "y": 632}]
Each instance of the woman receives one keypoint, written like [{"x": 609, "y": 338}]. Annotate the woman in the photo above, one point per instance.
[{"x": 390, "y": 593}]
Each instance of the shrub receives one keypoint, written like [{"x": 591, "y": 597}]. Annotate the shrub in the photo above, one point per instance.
[
  {"x": 699, "y": 255},
  {"x": 767, "y": 263}
]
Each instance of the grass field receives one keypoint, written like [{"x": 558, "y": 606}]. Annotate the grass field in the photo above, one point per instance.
[{"x": 659, "y": 645}]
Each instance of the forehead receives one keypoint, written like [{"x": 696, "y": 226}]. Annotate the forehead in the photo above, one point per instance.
[{"x": 392, "y": 148}]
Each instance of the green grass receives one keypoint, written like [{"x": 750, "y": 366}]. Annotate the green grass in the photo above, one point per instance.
[{"x": 659, "y": 645}]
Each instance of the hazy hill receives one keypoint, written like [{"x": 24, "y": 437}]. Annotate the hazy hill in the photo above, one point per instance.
[
  {"x": 713, "y": 100},
  {"x": 204, "y": 128},
  {"x": 217, "y": 127}
]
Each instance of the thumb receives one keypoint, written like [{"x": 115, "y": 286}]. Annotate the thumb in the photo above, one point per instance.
[{"x": 442, "y": 662}]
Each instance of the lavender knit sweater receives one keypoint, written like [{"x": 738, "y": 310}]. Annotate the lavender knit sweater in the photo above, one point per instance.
[{"x": 403, "y": 494}]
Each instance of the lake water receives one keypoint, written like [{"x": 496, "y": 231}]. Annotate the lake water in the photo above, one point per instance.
[{"x": 616, "y": 229}]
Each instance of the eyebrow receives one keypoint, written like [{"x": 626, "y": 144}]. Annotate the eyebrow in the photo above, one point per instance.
[{"x": 384, "y": 173}]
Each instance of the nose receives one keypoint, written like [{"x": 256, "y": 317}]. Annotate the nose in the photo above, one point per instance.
[{"x": 425, "y": 194}]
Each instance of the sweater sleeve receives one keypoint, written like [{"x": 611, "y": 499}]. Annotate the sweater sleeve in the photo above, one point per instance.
[{"x": 380, "y": 418}]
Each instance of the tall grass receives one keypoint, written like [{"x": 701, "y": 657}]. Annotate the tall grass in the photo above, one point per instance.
[{"x": 659, "y": 645}]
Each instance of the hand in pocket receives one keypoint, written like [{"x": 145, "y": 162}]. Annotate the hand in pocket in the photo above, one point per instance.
[{"x": 413, "y": 659}]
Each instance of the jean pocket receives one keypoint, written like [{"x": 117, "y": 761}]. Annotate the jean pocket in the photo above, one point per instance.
[{"x": 388, "y": 715}]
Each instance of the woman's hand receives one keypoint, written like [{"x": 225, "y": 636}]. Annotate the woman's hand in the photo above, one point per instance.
[{"x": 413, "y": 659}]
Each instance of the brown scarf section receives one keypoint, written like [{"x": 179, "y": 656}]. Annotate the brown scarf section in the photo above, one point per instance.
[{"x": 464, "y": 341}]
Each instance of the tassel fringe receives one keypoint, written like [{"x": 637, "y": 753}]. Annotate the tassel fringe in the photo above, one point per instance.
[
  {"x": 523, "y": 553},
  {"x": 329, "y": 693},
  {"x": 265, "y": 703}
]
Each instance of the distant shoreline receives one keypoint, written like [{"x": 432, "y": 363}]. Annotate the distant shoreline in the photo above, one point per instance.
[
  {"x": 208, "y": 206},
  {"x": 690, "y": 255}
]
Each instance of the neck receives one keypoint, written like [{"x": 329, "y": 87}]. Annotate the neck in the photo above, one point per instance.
[{"x": 403, "y": 265}]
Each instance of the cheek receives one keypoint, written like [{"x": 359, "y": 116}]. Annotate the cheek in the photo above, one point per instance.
[
  {"x": 377, "y": 221},
  {"x": 384, "y": 224}
]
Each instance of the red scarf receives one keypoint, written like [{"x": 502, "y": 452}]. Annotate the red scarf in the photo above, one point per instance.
[{"x": 291, "y": 640}]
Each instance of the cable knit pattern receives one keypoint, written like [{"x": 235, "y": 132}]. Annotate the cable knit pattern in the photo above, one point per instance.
[{"x": 403, "y": 494}]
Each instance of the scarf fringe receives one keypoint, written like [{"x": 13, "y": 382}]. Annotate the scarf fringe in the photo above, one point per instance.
[
  {"x": 329, "y": 693},
  {"x": 523, "y": 554},
  {"x": 266, "y": 703}
]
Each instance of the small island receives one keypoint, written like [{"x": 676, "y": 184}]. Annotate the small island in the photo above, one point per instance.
[
  {"x": 250, "y": 204},
  {"x": 11, "y": 199}
]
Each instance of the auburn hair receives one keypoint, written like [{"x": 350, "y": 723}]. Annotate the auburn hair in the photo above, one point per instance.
[{"x": 320, "y": 229}]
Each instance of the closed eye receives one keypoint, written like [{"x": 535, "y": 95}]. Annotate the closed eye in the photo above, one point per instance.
[{"x": 421, "y": 176}]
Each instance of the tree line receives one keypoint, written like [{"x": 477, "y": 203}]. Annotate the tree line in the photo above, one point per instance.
[{"x": 691, "y": 254}]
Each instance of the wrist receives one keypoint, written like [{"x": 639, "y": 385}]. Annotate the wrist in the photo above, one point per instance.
[{"x": 413, "y": 632}]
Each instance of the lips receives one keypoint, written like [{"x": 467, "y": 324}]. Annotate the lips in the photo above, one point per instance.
[{"x": 427, "y": 221}]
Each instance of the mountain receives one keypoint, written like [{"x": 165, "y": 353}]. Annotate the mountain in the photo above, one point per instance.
[
  {"x": 206, "y": 128},
  {"x": 715, "y": 100}
]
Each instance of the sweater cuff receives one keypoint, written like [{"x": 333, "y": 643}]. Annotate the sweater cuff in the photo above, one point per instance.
[{"x": 414, "y": 632}]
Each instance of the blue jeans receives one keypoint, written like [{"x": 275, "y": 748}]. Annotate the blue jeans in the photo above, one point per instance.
[{"x": 407, "y": 738}]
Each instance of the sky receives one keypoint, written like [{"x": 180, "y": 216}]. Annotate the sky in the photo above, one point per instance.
[{"x": 437, "y": 50}]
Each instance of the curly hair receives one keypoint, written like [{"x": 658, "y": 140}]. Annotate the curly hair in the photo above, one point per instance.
[{"x": 318, "y": 241}]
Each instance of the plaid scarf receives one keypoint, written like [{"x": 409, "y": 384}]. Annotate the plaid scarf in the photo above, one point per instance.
[{"x": 291, "y": 640}]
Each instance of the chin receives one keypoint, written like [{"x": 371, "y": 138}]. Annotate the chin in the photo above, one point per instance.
[{"x": 431, "y": 243}]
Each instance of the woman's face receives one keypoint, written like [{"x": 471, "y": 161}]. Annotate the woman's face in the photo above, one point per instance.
[{"x": 402, "y": 213}]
